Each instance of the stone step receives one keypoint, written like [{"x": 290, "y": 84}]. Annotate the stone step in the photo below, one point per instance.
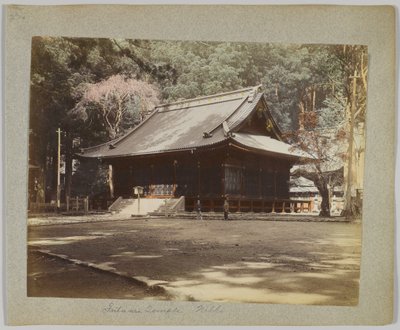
[{"x": 129, "y": 206}]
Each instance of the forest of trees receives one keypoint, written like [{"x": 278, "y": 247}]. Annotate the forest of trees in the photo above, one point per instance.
[{"x": 97, "y": 89}]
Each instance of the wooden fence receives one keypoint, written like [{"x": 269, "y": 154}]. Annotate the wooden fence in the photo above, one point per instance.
[
  {"x": 72, "y": 205},
  {"x": 77, "y": 204}
]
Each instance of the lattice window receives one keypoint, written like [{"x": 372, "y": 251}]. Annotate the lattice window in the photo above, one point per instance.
[{"x": 233, "y": 180}]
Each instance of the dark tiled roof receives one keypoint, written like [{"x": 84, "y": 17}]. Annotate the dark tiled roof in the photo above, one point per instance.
[
  {"x": 182, "y": 125},
  {"x": 239, "y": 116},
  {"x": 268, "y": 145}
]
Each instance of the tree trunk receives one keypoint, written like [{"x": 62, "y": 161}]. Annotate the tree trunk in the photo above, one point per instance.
[
  {"x": 349, "y": 207},
  {"x": 53, "y": 174},
  {"x": 111, "y": 180},
  {"x": 301, "y": 115},
  {"x": 321, "y": 183},
  {"x": 68, "y": 164},
  {"x": 325, "y": 203}
]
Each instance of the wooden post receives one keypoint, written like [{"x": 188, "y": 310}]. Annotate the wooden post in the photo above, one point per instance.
[
  {"x": 223, "y": 180},
  {"x": 242, "y": 175},
  {"x": 259, "y": 182},
  {"x": 152, "y": 180},
  {"x": 58, "y": 168},
  {"x": 87, "y": 205},
  {"x": 67, "y": 200},
  {"x": 198, "y": 179},
  {"x": 175, "y": 184}
]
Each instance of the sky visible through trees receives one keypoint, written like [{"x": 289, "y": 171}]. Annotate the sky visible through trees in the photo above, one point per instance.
[{"x": 97, "y": 89}]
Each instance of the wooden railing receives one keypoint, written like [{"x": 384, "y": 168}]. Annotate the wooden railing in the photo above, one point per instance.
[
  {"x": 72, "y": 205},
  {"x": 77, "y": 204},
  {"x": 44, "y": 207},
  {"x": 250, "y": 205}
]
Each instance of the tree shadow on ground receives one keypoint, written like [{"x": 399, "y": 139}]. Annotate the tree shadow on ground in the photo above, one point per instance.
[{"x": 290, "y": 269}]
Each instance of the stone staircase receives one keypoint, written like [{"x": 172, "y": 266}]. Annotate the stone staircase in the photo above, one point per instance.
[
  {"x": 170, "y": 207},
  {"x": 130, "y": 206}
]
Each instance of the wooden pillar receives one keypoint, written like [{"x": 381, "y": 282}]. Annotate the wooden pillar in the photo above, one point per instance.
[
  {"x": 86, "y": 204},
  {"x": 198, "y": 179},
  {"x": 223, "y": 180},
  {"x": 242, "y": 183},
  {"x": 58, "y": 168},
  {"x": 175, "y": 163},
  {"x": 243, "y": 168},
  {"x": 151, "y": 187},
  {"x": 259, "y": 181}
]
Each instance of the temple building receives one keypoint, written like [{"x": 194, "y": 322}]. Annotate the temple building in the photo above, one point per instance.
[{"x": 205, "y": 148}]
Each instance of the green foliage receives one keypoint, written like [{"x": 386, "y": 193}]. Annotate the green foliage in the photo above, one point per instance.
[
  {"x": 295, "y": 78},
  {"x": 89, "y": 179}
]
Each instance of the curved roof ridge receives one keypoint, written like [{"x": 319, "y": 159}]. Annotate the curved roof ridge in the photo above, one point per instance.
[
  {"x": 237, "y": 117},
  {"x": 205, "y": 97},
  {"x": 228, "y": 116},
  {"x": 255, "y": 95}
]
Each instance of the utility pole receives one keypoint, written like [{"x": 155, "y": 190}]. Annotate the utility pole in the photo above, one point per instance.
[{"x": 58, "y": 168}]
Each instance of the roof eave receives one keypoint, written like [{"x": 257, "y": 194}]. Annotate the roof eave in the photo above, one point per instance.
[
  {"x": 158, "y": 152},
  {"x": 244, "y": 147}
]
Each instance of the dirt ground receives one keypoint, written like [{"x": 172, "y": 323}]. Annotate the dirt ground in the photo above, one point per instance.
[
  {"x": 235, "y": 261},
  {"x": 50, "y": 276}
]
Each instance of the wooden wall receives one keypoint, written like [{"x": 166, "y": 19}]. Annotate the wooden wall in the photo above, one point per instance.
[{"x": 214, "y": 173}]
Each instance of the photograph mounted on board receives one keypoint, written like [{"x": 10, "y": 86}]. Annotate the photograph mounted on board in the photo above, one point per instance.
[{"x": 196, "y": 170}]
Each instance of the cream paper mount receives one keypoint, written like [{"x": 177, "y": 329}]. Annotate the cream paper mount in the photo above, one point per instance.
[{"x": 373, "y": 26}]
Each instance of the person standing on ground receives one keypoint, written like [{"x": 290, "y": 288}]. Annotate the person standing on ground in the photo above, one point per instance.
[
  {"x": 198, "y": 208},
  {"x": 226, "y": 209}
]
